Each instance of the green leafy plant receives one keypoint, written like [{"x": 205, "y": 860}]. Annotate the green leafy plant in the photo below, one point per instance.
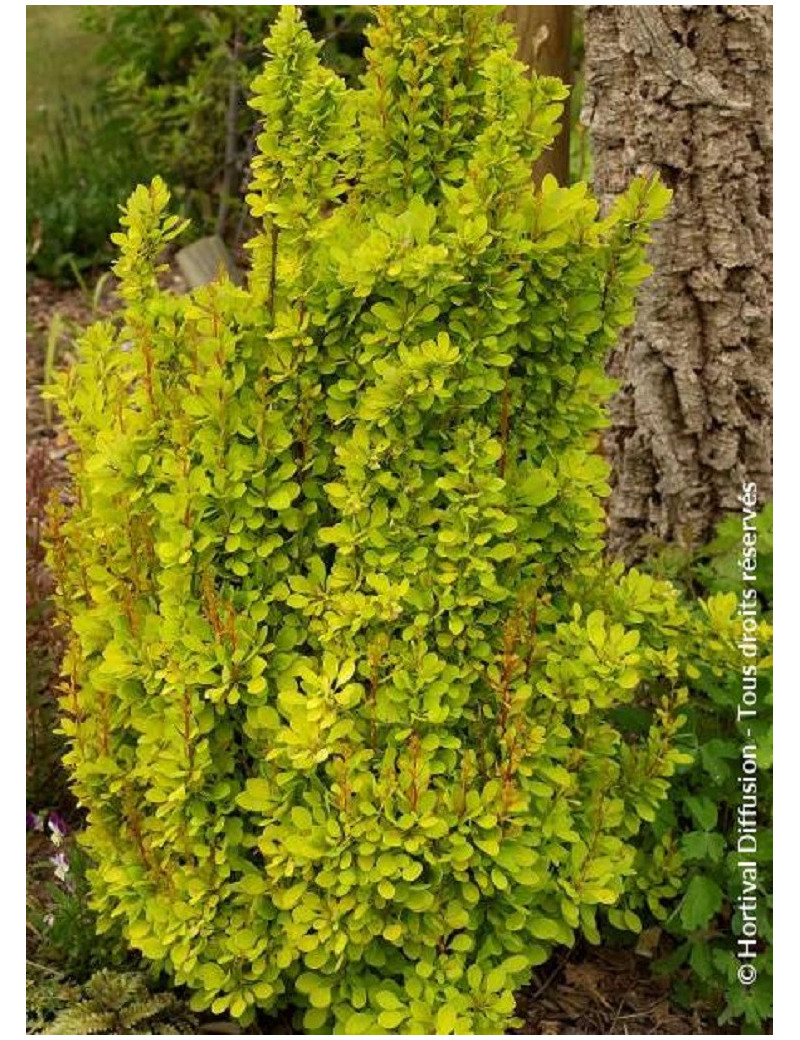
[
  {"x": 347, "y": 674},
  {"x": 44, "y": 997},
  {"x": 113, "y": 1003},
  {"x": 73, "y": 187},
  {"x": 717, "y": 566},
  {"x": 63, "y": 925},
  {"x": 690, "y": 869}
]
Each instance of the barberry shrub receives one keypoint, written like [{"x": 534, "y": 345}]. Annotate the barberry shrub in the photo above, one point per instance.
[{"x": 347, "y": 738}]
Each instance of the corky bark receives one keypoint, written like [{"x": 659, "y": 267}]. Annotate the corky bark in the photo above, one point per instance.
[
  {"x": 686, "y": 90},
  {"x": 544, "y": 43}
]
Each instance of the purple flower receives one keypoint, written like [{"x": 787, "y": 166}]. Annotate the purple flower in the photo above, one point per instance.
[
  {"x": 33, "y": 821},
  {"x": 58, "y": 828}
]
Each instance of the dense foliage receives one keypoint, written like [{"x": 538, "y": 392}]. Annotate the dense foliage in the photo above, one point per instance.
[{"x": 347, "y": 675}]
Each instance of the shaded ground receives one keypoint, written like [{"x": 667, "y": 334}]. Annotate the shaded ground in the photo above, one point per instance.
[
  {"x": 605, "y": 992},
  {"x": 587, "y": 991},
  {"x": 46, "y": 303},
  {"x": 57, "y": 52}
]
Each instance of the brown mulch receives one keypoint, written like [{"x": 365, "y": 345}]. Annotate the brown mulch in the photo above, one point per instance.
[
  {"x": 43, "y": 298},
  {"x": 606, "y": 992},
  {"x": 76, "y": 309}
]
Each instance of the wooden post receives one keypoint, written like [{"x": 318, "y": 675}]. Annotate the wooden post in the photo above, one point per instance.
[{"x": 544, "y": 43}]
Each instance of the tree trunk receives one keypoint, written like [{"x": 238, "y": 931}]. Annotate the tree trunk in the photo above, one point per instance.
[
  {"x": 686, "y": 90},
  {"x": 544, "y": 42}
]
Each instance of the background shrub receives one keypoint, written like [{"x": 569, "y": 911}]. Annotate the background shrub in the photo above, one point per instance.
[
  {"x": 86, "y": 163},
  {"x": 172, "y": 84},
  {"x": 179, "y": 78},
  {"x": 346, "y": 681}
]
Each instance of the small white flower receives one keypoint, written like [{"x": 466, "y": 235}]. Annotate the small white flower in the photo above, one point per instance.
[{"x": 61, "y": 864}]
